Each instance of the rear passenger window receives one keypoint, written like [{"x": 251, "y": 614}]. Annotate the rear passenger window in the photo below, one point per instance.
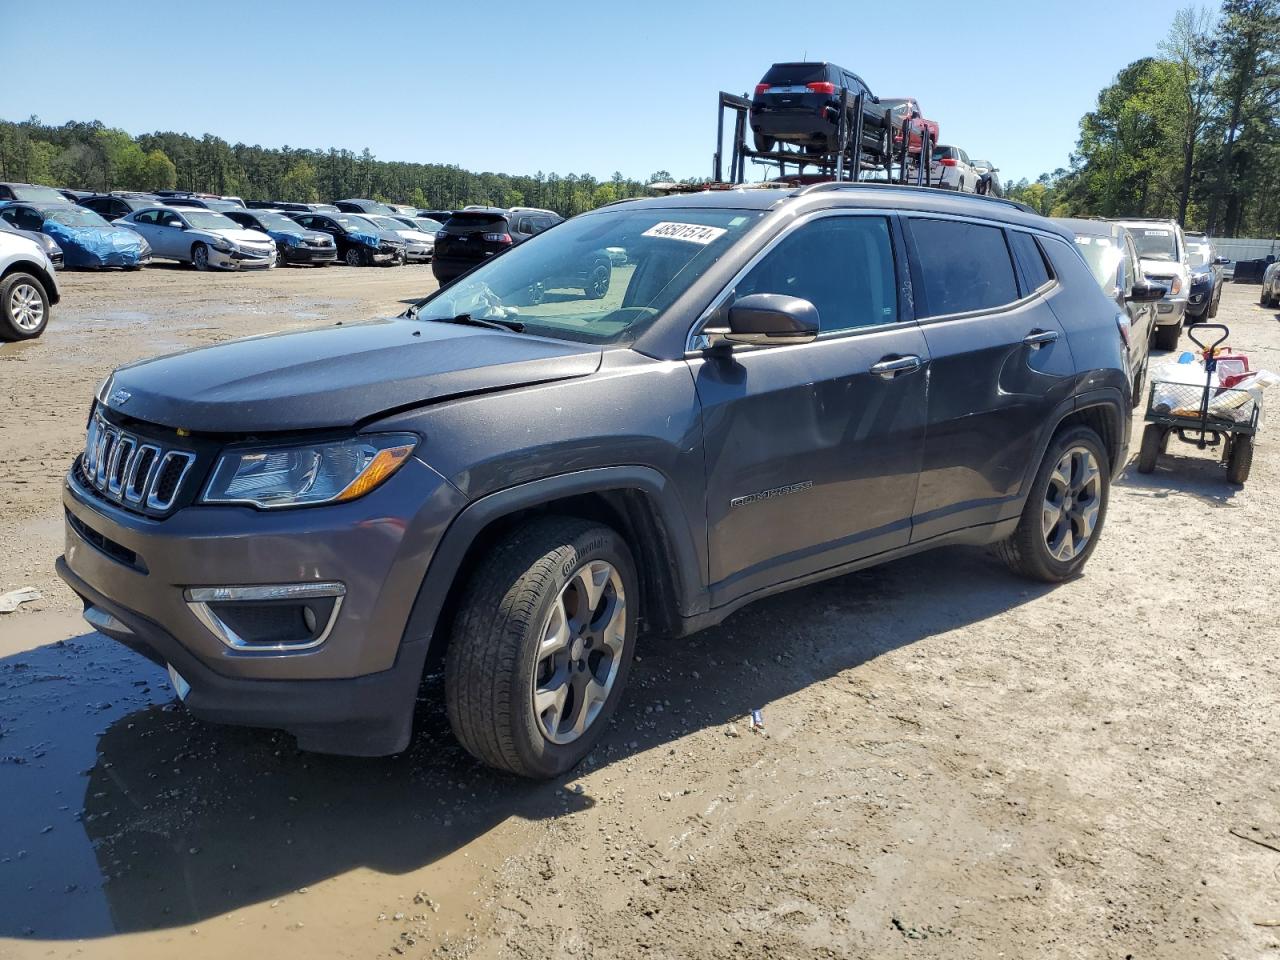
[
  {"x": 842, "y": 265},
  {"x": 965, "y": 266},
  {"x": 1030, "y": 259}
]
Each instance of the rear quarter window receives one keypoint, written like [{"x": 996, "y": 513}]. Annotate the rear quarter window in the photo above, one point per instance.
[
  {"x": 964, "y": 266},
  {"x": 1030, "y": 258}
]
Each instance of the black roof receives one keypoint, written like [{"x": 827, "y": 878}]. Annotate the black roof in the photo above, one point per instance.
[{"x": 895, "y": 196}]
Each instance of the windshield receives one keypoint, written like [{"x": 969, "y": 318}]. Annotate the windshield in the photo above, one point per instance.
[
  {"x": 1154, "y": 244},
  {"x": 356, "y": 224},
  {"x": 1103, "y": 257},
  {"x": 278, "y": 222},
  {"x": 388, "y": 223},
  {"x": 74, "y": 216},
  {"x": 32, "y": 194},
  {"x": 1199, "y": 255},
  {"x": 209, "y": 220},
  {"x": 563, "y": 283}
]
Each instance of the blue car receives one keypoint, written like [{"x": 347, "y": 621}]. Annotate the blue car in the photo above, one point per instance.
[
  {"x": 86, "y": 239},
  {"x": 1206, "y": 277},
  {"x": 294, "y": 242}
]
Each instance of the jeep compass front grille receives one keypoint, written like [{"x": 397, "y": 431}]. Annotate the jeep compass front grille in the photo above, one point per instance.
[{"x": 134, "y": 472}]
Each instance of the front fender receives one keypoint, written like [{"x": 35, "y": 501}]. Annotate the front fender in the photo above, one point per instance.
[{"x": 477, "y": 516}]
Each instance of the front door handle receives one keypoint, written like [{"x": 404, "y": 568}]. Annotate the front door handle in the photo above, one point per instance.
[
  {"x": 891, "y": 367},
  {"x": 1038, "y": 338}
]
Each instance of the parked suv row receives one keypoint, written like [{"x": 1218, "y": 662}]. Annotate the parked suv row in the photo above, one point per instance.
[{"x": 518, "y": 478}]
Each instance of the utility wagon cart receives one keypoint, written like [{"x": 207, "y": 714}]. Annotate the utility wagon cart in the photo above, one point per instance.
[{"x": 1206, "y": 415}]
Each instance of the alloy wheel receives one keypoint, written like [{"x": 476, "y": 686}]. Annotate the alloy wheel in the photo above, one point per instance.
[
  {"x": 1071, "y": 504},
  {"x": 580, "y": 652},
  {"x": 201, "y": 258},
  {"x": 26, "y": 307}
]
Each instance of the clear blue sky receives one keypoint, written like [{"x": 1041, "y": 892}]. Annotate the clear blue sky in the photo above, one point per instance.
[{"x": 517, "y": 87}]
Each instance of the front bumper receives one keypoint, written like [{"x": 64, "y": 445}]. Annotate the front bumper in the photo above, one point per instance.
[
  {"x": 353, "y": 693},
  {"x": 241, "y": 259},
  {"x": 305, "y": 254},
  {"x": 1170, "y": 311}
]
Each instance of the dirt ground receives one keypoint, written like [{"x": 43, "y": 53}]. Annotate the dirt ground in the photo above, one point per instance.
[{"x": 955, "y": 763}]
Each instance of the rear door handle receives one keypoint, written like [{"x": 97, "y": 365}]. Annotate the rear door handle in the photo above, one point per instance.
[
  {"x": 891, "y": 367},
  {"x": 1038, "y": 338}
]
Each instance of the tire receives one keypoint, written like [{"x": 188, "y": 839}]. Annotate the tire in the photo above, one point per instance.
[
  {"x": 763, "y": 144},
  {"x": 1154, "y": 440},
  {"x": 1241, "y": 459},
  {"x": 24, "y": 307},
  {"x": 493, "y": 666},
  {"x": 1055, "y": 554},
  {"x": 1167, "y": 336},
  {"x": 597, "y": 283},
  {"x": 354, "y": 257},
  {"x": 200, "y": 256},
  {"x": 1213, "y": 304},
  {"x": 280, "y": 260}
]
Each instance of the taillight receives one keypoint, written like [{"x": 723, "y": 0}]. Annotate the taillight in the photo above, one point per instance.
[
  {"x": 441, "y": 234},
  {"x": 497, "y": 237},
  {"x": 948, "y": 161},
  {"x": 1126, "y": 328},
  {"x": 762, "y": 87},
  {"x": 822, "y": 86}
]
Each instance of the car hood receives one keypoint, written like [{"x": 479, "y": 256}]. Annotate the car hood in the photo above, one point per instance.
[
  {"x": 335, "y": 376},
  {"x": 237, "y": 235},
  {"x": 416, "y": 236}
]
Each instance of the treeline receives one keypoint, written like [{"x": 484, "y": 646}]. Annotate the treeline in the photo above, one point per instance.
[
  {"x": 1191, "y": 134},
  {"x": 91, "y": 156}
]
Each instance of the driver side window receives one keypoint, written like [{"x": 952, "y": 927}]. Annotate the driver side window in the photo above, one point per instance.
[{"x": 843, "y": 265}]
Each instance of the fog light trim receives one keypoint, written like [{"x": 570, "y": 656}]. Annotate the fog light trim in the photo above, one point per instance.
[{"x": 200, "y": 598}]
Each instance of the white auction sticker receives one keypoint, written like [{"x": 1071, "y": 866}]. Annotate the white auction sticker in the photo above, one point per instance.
[{"x": 689, "y": 232}]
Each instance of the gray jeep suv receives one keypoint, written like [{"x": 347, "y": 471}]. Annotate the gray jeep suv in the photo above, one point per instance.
[{"x": 779, "y": 386}]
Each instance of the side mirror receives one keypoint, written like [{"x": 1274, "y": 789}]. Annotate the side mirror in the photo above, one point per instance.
[
  {"x": 1144, "y": 291},
  {"x": 769, "y": 319}
]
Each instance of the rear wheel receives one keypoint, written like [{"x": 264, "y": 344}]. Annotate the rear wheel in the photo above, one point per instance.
[
  {"x": 1154, "y": 441},
  {"x": 1240, "y": 460},
  {"x": 1167, "y": 336},
  {"x": 24, "y": 307},
  {"x": 1139, "y": 381},
  {"x": 1065, "y": 509},
  {"x": 763, "y": 144},
  {"x": 541, "y": 646}
]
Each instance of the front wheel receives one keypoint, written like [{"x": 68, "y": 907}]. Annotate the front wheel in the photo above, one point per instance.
[
  {"x": 24, "y": 307},
  {"x": 354, "y": 257},
  {"x": 1065, "y": 508},
  {"x": 541, "y": 646},
  {"x": 1154, "y": 441},
  {"x": 200, "y": 256},
  {"x": 1240, "y": 460},
  {"x": 1167, "y": 336}
]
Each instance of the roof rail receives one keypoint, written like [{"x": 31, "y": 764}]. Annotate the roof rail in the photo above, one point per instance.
[{"x": 930, "y": 191}]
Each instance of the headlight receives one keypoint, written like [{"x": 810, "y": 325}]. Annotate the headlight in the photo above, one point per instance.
[
  {"x": 49, "y": 244},
  {"x": 223, "y": 244},
  {"x": 1176, "y": 286},
  {"x": 292, "y": 239},
  {"x": 291, "y": 476}
]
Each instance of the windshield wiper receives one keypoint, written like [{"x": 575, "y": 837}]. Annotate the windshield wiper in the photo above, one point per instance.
[{"x": 467, "y": 319}]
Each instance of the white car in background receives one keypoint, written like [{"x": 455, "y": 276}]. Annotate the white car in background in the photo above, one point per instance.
[
  {"x": 419, "y": 245},
  {"x": 1271, "y": 285},
  {"x": 953, "y": 170},
  {"x": 202, "y": 237},
  {"x": 1162, "y": 249}
]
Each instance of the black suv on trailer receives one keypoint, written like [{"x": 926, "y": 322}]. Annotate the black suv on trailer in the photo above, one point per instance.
[
  {"x": 799, "y": 103},
  {"x": 779, "y": 387}
]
